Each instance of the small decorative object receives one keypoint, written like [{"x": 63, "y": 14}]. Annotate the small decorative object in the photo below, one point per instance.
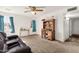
[
  {"x": 53, "y": 17},
  {"x": 43, "y": 19}
]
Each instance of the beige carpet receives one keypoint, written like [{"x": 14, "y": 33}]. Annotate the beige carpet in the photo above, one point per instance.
[{"x": 39, "y": 45}]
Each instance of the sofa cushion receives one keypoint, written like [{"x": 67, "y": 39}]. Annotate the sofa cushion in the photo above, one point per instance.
[
  {"x": 11, "y": 41},
  {"x": 1, "y": 45}
]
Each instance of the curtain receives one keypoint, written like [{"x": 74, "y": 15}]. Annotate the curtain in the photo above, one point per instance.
[
  {"x": 1, "y": 23},
  {"x": 33, "y": 26},
  {"x": 12, "y": 25}
]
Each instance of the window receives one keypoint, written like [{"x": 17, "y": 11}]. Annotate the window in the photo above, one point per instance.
[
  {"x": 1, "y": 23},
  {"x": 6, "y": 24}
]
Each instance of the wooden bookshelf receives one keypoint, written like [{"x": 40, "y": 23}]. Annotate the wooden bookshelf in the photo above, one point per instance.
[{"x": 48, "y": 30}]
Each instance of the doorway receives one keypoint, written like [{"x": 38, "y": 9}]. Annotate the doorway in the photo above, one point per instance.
[{"x": 72, "y": 27}]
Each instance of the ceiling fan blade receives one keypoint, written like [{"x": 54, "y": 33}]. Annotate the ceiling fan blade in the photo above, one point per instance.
[
  {"x": 39, "y": 10},
  {"x": 26, "y": 11},
  {"x": 36, "y": 6},
  {"x": 31, "y": 6}
]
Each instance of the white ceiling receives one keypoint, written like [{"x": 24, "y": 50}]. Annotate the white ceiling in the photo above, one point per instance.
[{"x": 20, "y": 9}]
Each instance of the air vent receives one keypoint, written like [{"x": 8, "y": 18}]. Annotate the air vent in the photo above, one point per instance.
[{"x": 72, "y": 9}]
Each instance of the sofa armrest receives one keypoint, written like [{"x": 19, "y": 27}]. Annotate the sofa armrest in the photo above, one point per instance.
[{"x": 20, "y": 50}]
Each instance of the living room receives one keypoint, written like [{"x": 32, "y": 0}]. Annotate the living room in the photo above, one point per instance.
[{"x": 26, "y": 22}]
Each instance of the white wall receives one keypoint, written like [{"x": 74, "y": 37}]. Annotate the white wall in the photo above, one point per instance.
[
  {"x": 70, "y": 27},
  {"x": 75, "y": 26},
  {"x": 19, "y": 21},
  {"x": 59, "y": 28},
  {"x": 66, "y": 28}
]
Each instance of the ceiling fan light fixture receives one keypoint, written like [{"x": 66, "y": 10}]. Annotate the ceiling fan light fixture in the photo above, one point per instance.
[{"x": 34, "y": 12}]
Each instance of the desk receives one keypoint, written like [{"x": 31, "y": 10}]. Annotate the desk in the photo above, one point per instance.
[{"x": 23, "y": 29}]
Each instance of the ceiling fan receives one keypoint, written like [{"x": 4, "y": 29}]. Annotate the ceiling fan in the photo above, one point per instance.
[{"x": 34, "y": 9}]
